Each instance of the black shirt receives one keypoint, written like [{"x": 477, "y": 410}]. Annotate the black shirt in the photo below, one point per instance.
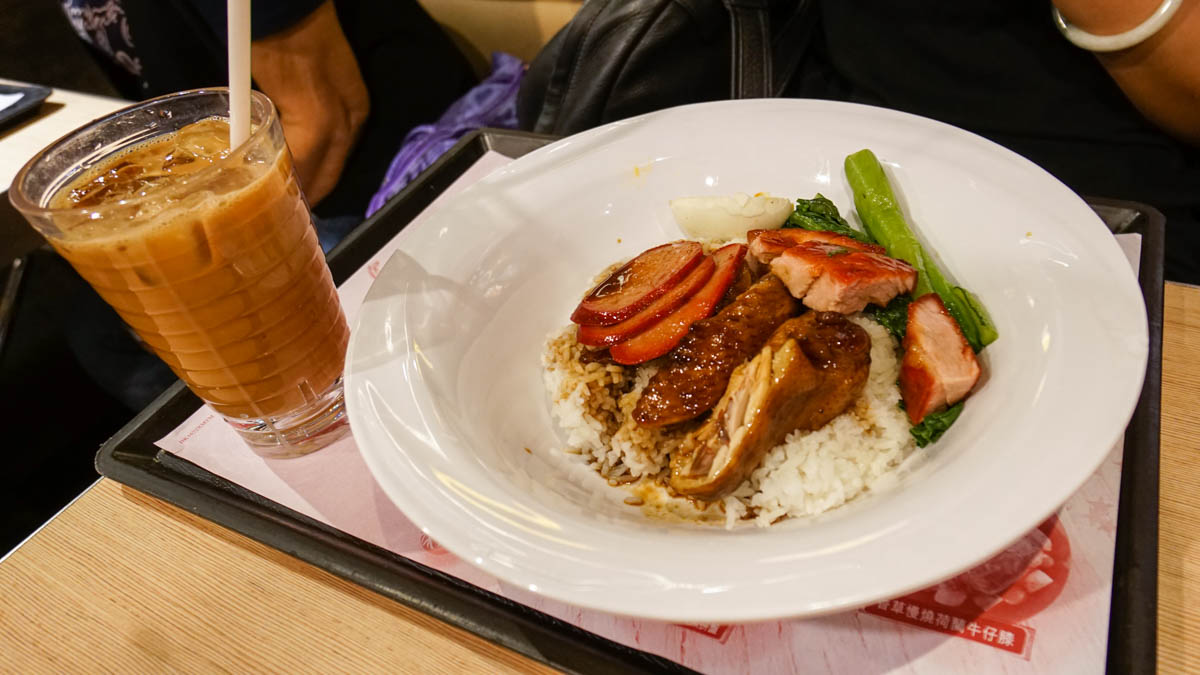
[{"x": 1000, "y": 68}]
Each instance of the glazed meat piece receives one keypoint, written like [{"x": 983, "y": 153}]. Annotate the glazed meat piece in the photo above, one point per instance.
[
  {"x": 662, "y": 337},
  {"x": 606, "y": 336},
  {"x": 697, "y": 370},
  {"x": 833, "y": 278},
  {"x": 939, "y": 367},
  {"x": 811, "y": 370},
  {"x": 638, "y": 283},
  {"x": 767, "y": 245},
  {"x": 741, "y": 283}
]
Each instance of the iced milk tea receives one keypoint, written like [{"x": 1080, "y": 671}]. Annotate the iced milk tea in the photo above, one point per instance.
[{"x": 212, "y": 258}]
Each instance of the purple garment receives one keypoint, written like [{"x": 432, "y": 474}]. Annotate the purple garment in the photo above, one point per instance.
[{"x": 492, "y": 103}]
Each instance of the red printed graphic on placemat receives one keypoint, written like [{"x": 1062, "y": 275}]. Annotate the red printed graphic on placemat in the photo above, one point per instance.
[
  {"x": 432, "y": 546},
  {"x": 194, "y": 430},
  {"x": 982, "y": 629},
  {"x": 1013, "y": 586},
  {"x": 986, "y": 603},
  {"x": 1102, "y": 516},
  {"x": 373, "y": 268},
  {"x": 718, "y": 632}
]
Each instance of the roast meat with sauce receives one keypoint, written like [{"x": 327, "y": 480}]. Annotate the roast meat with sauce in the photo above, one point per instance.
[
  {"x": 767, "y": 245},
  {"x": 811, "y": 370},
  {"x": 939, "y": 367},
  {"x": 833, "y": 278},
  {"x": 697, "y": 371}
]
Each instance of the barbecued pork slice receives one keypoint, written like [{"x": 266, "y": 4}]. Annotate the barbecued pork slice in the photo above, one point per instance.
[
  {"x": 811, "y": 370},
  {"x": 697, "y": 371},
  {"x": 766, "y": 245},
  {"x": 833, "y": 278},
  {"x": 939, "y": 367}
]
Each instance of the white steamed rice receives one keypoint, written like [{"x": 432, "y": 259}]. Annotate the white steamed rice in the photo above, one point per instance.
[{"x": 809, "y": 473}]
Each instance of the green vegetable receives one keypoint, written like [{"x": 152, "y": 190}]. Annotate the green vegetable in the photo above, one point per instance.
[
  {"x": 987, "y": 329},
  {"x": 881, "y": 216},
  {"x": 821, "y": 214},
  {"x": 894, "y": 317},
  {"x": 883, "y": 220},
  {"x": 935, "y": 424}
]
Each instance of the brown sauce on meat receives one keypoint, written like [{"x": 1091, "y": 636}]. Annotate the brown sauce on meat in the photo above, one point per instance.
[
  {"x": 841, "y": 351},
  {"x": 741, "y": 283},
  {"x": 697, "y": 371},
  {"x": 817, "y": 366},
  {"x": 601, "y": 356}
]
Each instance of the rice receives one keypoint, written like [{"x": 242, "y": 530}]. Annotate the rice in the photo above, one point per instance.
[
  {"x": 593, "y": 403},
  {"x": 812, "y": 472},
  {"x": 807, "y": 474}
]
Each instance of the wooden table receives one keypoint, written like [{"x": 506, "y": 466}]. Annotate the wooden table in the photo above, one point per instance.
[
  {"x": 1179, "y": 483},
  {"x": 122, "y": 581}
]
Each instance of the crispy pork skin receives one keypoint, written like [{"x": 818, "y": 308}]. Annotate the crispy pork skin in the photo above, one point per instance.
[
  {"x": 810, "y": 370},
  {"x": 939, "y": 367}
]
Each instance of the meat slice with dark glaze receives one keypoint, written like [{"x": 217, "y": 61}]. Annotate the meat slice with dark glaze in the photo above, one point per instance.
[
  {"x": 696, "y": 372},
  {"x": 833, "y": 278},
  {"x": 811, "y": 370},
  {"x": 741, "y": 283},
  {"x": 939, "y": 367}
]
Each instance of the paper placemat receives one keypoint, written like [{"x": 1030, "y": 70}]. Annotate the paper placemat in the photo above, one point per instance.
[{"x": 1042, "y": 606}]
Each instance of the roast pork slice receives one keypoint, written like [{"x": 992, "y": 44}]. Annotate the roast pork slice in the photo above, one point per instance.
[
  {"x": 766, "y": 245},
  {"x": 833, "y": 278},
  {"x": 939, "y": 367}
]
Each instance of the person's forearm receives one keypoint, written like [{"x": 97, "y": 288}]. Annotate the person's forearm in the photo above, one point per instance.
[{"x": 1160, "y": 76}]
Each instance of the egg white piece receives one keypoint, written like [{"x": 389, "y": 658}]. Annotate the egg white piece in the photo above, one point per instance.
[{"x": 730, "y": 216}]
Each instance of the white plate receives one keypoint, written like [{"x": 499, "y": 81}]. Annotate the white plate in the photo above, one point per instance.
[{"x": 445, "y": 392}]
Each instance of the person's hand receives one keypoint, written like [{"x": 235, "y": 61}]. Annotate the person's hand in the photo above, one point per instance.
[{"x": 310, "y": 73}]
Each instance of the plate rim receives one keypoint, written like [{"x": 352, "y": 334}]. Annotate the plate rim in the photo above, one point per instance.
[{"x": 752, "y": 614}]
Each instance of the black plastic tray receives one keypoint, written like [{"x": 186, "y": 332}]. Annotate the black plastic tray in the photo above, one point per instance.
[
  {"x": 131, "y": 457},
  {"x": 31, "y": 97}
]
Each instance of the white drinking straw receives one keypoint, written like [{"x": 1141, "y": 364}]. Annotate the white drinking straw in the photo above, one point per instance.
[{"x": 239, "y": 71}]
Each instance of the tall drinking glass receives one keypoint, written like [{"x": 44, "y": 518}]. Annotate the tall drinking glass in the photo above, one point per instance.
[{"x": 210, "y": 255}]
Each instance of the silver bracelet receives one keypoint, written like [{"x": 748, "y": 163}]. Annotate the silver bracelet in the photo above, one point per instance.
[{"x": 1112, "y": 43}]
